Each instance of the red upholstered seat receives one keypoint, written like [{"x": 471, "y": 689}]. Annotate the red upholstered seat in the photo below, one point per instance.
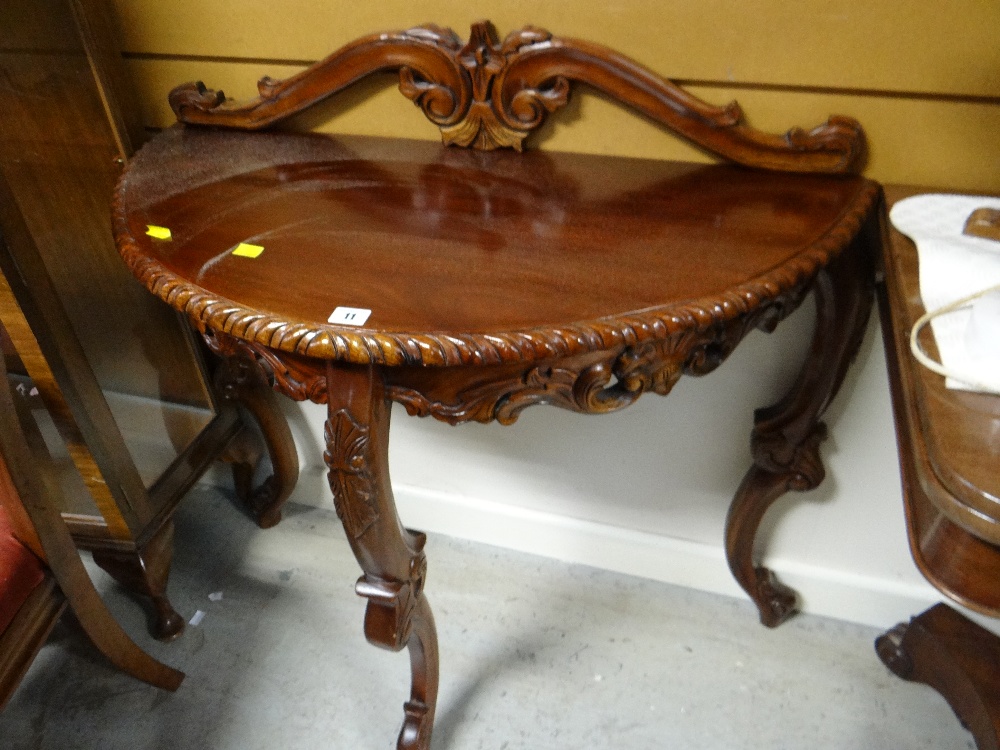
[{"x": 20, "y": 572}]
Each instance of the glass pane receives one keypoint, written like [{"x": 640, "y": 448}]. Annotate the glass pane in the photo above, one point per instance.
[
  {"x": 60, "y": 156},
  {"x": 73, "y": 492}
]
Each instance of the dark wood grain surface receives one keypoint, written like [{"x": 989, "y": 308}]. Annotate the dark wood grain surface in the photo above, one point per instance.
[{"x": 433, "y": 239}]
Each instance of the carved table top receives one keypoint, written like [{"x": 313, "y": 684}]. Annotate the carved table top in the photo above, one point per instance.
[{"x": 466, "y": 257}]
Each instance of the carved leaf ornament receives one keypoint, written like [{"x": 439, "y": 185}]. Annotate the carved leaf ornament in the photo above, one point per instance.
[
  {"x": 347, "y": 457},
  {"x": 607, "y": 385}
]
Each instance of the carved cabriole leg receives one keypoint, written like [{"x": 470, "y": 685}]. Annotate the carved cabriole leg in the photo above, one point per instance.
[
  {"x": 786, "y": 436},
  {"x": 392, "y": 558},
  {"x": 145, "y": 572},
  {"x": 240, "y": 378},
  {"x": 957, "y": 658}
]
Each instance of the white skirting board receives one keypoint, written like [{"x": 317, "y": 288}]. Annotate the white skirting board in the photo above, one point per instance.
[
  {"x": 832, "y": 593},
  {"x": 869, "y": 600}
]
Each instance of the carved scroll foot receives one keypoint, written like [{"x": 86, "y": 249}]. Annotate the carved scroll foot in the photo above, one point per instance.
[
  {"x": 239, "y": 378},
  {"x": 786, "y": 436},
  {"x": 775, "y": 601},
  {"x": 957, "y": 658},
  {"x": 392, "y": 557},
  {"x": 144, "y": 572}
]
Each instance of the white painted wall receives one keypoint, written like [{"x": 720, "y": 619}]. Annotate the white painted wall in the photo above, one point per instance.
[{"x": 645, "y": 491}]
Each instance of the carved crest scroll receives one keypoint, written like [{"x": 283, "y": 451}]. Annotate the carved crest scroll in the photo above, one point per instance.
[{"x": 487, "y": 94}]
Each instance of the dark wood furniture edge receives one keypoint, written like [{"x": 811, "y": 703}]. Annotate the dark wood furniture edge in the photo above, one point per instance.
[
  {"x": 488, "y": 94},
  {"x": 940, "y": 647},
  {"x": 50, "y": 326},
  {"x": 960, "y": 564},
  {"x": 125, "y": 541},
  {"x": 25, "y": 468},
  {"x": 76, "y": 395},
  {"x": 141, "y": 562},
  {"x": 428, "y": 349},
  {"x": 957, "y": 658},
  {"x": 101, "y": 36}
]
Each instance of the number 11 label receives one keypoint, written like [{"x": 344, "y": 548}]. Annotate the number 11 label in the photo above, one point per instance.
[{"x": 350, "y": 316}]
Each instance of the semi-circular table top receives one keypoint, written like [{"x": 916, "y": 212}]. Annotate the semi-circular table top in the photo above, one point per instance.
[{"x": 465, "y": 257}]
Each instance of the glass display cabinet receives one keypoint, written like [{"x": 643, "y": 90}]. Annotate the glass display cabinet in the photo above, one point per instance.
[{"x": 116, "y": 380}]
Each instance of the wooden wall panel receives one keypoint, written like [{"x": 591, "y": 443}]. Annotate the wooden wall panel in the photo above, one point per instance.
[
  {"x": 914, "y": 46},
  {"x": 916, "y": 140}
]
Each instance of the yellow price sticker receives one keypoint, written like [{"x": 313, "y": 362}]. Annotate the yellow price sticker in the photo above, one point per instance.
[
  {"x": 159, "y": 233},
  {"x": 245, "y": 250}
]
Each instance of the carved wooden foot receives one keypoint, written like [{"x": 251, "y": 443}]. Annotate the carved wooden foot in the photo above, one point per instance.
[
  {"x": 775, "y": 601},
  {"x": 144, "y": 572},
  {"x": 392, "y": 558},
  {"x": 240, "y": 379},
  {"x": 786, "y": 436},
  {"x": 957, "y": 658}
]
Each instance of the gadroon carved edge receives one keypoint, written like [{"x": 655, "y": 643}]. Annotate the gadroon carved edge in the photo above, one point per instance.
[
  {"x": 325, "y": 341},
  {"x": 490, "y": 94}
]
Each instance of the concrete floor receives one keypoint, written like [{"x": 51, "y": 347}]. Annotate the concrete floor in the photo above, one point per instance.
[{"x": 535, "y": 655}]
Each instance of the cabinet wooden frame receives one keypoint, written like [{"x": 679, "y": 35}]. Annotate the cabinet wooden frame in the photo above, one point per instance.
[
  {"x": 70, "y": 307},
  {"x": 31, "y": 505}
]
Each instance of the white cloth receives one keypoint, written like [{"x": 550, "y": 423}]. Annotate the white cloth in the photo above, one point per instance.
[{"x": 952, "y": 266}]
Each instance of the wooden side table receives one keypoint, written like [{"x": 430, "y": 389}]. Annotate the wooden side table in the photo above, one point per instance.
[
  {"x": 948, "y": 456},
  {"x": 469, "y": 284}
]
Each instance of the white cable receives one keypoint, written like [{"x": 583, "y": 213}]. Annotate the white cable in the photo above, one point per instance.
[{"x": 935, "y": 366}]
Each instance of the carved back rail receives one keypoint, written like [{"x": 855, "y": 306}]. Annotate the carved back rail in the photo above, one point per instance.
[{"x": 490, "y": 94}]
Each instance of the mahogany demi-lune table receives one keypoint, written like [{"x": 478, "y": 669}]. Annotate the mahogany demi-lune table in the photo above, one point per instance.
[{"x": 468, "y": 281}]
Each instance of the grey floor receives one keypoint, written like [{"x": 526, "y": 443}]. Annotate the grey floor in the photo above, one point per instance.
[{"x": 535, "y": 654}]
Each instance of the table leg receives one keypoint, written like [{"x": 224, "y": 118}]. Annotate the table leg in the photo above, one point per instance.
[
  {"x": 957, "y": 658},
  {"x": 392, "y": 558},
  {"x": 239, "y": 379},
  {"x": 786, "y": 437}
]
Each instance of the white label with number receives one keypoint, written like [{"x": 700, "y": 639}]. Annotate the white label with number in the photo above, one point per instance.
[{"x": 350, "y": 316}]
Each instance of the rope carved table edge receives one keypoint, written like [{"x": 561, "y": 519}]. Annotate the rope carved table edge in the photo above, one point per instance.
[{"x": 327, "y": 342}]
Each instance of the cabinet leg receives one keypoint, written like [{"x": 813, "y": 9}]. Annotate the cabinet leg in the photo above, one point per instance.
[
  {"x": 144, "y": 572},
  {"x": 957, "y": 658},
  {"x": 392, "y": 557},
  {"x": 786, "y": 437}
]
